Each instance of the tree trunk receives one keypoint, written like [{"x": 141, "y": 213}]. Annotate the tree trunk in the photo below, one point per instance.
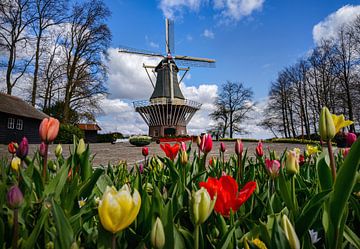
[
  {"x": 36, "y": 68},
  {"x": 9, "y": 70}
]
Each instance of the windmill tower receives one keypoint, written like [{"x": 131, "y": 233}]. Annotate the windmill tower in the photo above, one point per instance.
[{"x": 167, "y": 112}]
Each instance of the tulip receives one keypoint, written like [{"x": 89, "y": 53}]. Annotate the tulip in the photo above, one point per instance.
[
  {"x": 259, "y": 149},
  {"x": 183, "y": 157},
  {"x": 42, "y": 149},
  {"x": 118, "y": 209},
  {"x": 310, "y": 150},
  {"x": 23, "y": 148},
  {"x": 202, "y": 205},
  {"x": 212, "y": 161},
  {"x": 58, "y": 150},
  {"x": 314, "y": 236},
  {"x": 145, "y": 151},
  {"x": 12, "y": 147},
  {"x": 345, "y": 152},
  {"x": 301, "y": 160},
  {"x": 49, "y": 129},
  {"x": 222, "y": 147},
  {"x": 226, "y": 190},
  {"x": 239, "y": 147},
  {"x": 255, "y": 242},
  {"x": 141, "y": 168},
  {"x": 157, "y": 234},
  {"x": 170, "y": 151},
  {"x": 206, "y": 143},
  {"x": 350, "y": 138},
  {"x": 273, "y": 167},
  {"x": 340, "y": 122},
  {"x": 292, "y": 162},
  {"x": 326, "y": 125},
  {"x": 81, "y": 147},
  {"x": 14, "y": 197},
  {"x": 290, "y": 232},
  {"x": 198, "y": 141},
  {"x": 15, "y": 163}
]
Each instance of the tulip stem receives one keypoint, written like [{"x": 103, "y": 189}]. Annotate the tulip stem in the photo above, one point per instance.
[
  {"x": 196, "y": 237},
  {"x": 332, "y": 160},
  {"x": 45, "y": 160},
  {"x": 113, "y": 241},
  {"x": 15, "y": 229}
]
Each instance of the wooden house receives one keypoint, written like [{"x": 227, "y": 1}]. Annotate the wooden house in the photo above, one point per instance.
[
  {"x": 18, "y": 119},
  {"x": 90, "y": 132}
]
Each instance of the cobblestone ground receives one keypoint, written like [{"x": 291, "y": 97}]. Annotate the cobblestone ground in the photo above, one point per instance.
[{"x": 113, "y": 153}]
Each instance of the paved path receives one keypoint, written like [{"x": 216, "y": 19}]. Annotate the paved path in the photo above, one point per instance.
[{"x": 113, "y": 153}]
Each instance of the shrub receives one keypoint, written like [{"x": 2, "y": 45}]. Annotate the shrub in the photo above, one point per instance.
[
  {"x": 140, "y": 140},
  {"x": 67, "y": 132},
  {"x": 108, "y": 137}
]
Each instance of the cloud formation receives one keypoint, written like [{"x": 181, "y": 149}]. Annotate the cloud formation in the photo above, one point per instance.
[
  {"x": 208, "y": 34},
  {"x": 328, "y": 28}
]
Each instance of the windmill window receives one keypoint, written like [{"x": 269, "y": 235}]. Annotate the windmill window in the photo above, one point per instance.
[
  {"x": 19, "y": 124},
  {"x": 11, "y": 123}
]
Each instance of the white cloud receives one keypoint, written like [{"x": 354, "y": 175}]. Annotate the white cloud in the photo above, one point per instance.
[
  {"x": 237, "y": 9},
  {"x": 172, "y": 8},
  {"x": 328, "y": 28},
  {"x": 208, "y": 34}
]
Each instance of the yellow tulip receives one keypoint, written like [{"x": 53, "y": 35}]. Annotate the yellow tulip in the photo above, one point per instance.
[
  {"x": 259, "y": 244},
  {"x": 292, "y": 162},
  {"x": 81, "y": 147},
  {"x": 202, "y": 205},
  {"x": 118, "y": 209},
  {"x": 326, "y": 125},
  {"x": 310, "y": 150},
  {"x": 15, "y": 163},
  {"x": 340, "y": 122}
]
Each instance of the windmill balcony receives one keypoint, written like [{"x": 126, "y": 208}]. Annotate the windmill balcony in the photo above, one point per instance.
[{"x": 167, "y": 101}]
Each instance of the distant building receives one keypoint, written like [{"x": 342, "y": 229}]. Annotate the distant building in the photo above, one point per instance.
[
  {"x": 18, "y": 119},
  {"x": 90, "y": 132}
]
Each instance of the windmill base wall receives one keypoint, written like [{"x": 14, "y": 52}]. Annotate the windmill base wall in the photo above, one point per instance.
[{"x": 162, "y": 131}]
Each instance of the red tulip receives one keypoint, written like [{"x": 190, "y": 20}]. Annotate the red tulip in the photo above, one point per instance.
[
  {"x": 49, "y": 129},
  {"x": 222, "y": 147},
  {"x": 259, "y": 149},
  {"x": 226, "y": 190},
  {"x": 206, "y": 143},
  {"x": 145, "y": 151},
  {"x": 301, "y": 160},
  {"x": 345, "y": 152},
  {"x": 12, "y": 147},
  {"x": 170, "y": 151},
  {"x": 273, "y": 167},
  {"x": 350, "y": 138},
  {"x": 239, "y": 147}
]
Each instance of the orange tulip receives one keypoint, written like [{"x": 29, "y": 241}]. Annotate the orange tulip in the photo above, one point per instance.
[{"x": 49, "y": 129}]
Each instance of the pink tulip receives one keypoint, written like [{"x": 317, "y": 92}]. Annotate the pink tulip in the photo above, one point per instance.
[
  {"x": 239, "y": 147},
  {"x": 350, "y": 138},
  {"x": 206, "y": 143},
  {"x": 183, "y": 146},
  {"x": 49, "y": 129},
  {"x": 42, "y": 149},
  {"x": 222, "y": 147},
  {"x": 259, "y": 149},
  {"x": 23, "y": 148},
  {"x": 273, "y": 166}
]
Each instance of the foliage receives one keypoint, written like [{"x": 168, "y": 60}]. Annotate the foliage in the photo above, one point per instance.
[
  {"x": 109, "y": 137},
  {"x": 140, "y": 140},
  {"x": 67, "y": 132},
  {"x": 62, "y": 209}
]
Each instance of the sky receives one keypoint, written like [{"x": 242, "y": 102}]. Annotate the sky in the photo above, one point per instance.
[{"x": 251, "y": 41}]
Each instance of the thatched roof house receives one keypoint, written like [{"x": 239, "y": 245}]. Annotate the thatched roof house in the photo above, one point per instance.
[
  {"x": 18, "y": 119},
  {"x": 90, "y": 132}
]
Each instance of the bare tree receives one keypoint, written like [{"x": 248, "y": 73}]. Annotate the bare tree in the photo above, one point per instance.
[
  {"x": 233, "y": 105},
  {"x": 15, "y": 17}
]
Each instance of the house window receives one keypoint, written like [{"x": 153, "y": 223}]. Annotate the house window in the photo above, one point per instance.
[
  {"x": 156, "y": 133},
  {"x": 19, "y": 124},
  {"x": 11, "y": 123}
]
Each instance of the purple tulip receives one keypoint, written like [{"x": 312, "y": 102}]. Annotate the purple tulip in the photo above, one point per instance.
[
  {"x": 42, "y": 149},
  {"x": 141, "y": 168},
  {"x": 350, "y": 138},
  {"x": 14, "y": 197},
  {"x": 23, "y": 148},
  {"x": 222, "y": 147}
]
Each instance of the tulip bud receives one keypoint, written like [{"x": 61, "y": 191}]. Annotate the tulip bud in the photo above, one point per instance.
[
  {"x": 14, "y": 197},
  {"x": 183, "y": 157},
  {"x": 141, "y": 168},
  {"x": 145, "y": 151},
  {"x": 58, "y": 150},
  {"x": 23, "y": 148},
  {"x": 15, "y": 163},
  {"x": 198, "y": 141},
  {"x": 201, "y": 205},
  {"x": 345, "y": 152},
  {"x": 292, "y": 162},
  {"x": 12, "y": 147},
  {"x": 239, "y": 147},
  {"x": 350, "y": 138},
  {"x": 259, "y": 149},
  {"x": 48, "y": 130},
  {"x": 273, "y": 167},
  {"x": 81, "y": 147},
  {"x": 290, "y": 232},
  {"x": 206, "y": 143},
  {"x": 326, "y": 125},
  {"x": 157, "y": 234},
  {"x": 222, "y": 147},
  {"x": 42, "y": 149}
]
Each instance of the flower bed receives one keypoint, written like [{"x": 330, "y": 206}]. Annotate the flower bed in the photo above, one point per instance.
[
  {"x": 291, "y": 200},
  {"x": 174, "y": 139}
]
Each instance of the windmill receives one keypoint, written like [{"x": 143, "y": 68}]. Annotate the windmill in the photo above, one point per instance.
[{"x": 167, "y": 112}]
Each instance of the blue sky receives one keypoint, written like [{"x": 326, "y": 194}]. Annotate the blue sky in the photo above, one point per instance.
[
  {"x": 251, "y": 40},
  {"x": 251, "y": 50}
]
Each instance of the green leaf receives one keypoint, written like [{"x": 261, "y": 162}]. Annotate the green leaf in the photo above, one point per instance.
[
  {"x": 310, "y": 212},
  {"x": 87, "y": 188},
  {"x": 64, "y": 232},
  {"x": 226, "y": 239},
  {"x": 324, "y": 173},
  {"x": 351, "y": 237},
  {"x": 56, "y": 185},
  {"x": 86, "y": 168},
  {"x": 278, "y": 238},
  {"x": 30, "y": 242},
  {"x": 285, "y": 191}
]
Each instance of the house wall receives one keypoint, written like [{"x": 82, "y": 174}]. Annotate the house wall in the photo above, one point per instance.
[
  {"x": 30, "y": 129},
  {"x": 90, "y": 136}
]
